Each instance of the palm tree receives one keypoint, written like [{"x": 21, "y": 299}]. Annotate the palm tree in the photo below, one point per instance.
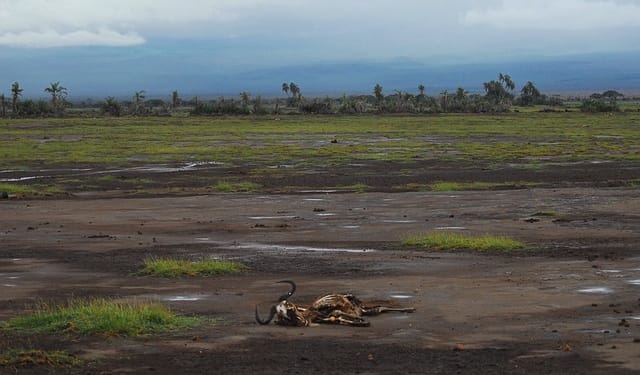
[
  {"x": 175, "y": 99},
  {"x": 58, "y": 93},
  {"x": 285, "y": 88},
  {"x": 377, "y": 92},
  {"x": 444, "y": 100},
  {"x": 400, "y": 99},
  {"x": 295, "y": 92},
  {"x": 506, "y": 81},
  {"x": 3, "y": 105},
  {"x": 529, "y": 94},
  {"x": 421, "y": 97},
  {"x": 111, "y": 106},
  {"x": 245, "y": 97},
  {"x": 460, "y": 99},
  {"x": 138, "y": 101},
  {"x": 16, "y": 93},
  {"x": 496, "y": 91}
]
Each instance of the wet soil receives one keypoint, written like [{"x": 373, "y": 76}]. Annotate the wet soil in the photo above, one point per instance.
[
  {"x": 381, "y": 176},
  {"x": 569, "y": 303}
]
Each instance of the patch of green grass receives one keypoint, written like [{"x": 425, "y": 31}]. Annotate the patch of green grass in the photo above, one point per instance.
[
  {"x": 30, "y": 191},
  {"x": 459, "y": 241},
  {"x": 413, "y": 186},
  {"x": 106, "y": 178},
  {"x": 447, "y": 186},
  {"x": 17, "y": 189},
  {"x": 165, "y": 267},
  {"x": 101, "y": 317},
  {"x": 236, "y": 187},
  {"x": 16, "y": 358},
  {"x": 358, "y": 188}
]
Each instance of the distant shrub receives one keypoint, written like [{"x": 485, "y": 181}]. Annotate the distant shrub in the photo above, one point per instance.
[
  {"x": 30, "y": 108},
  {"x": 317, "y": 107},
  {"x": 593, "y": 105}
]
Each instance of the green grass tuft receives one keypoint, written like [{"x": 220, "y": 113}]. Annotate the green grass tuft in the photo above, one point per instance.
[
  {"x": 634, "y": 184},
  {"x": 459, "y": 241},
  {"x": 164, "y": 267},
  {"x": 447, "y": 186},
  {"x": 101, "y": 317},
  {"x": 358, "y": 187},
  {"x": 236, "y": 187},
  {"x": 30, "y": 191},
  {"x": 17, "y": 189},
  {"x": 38, "y": 358}
]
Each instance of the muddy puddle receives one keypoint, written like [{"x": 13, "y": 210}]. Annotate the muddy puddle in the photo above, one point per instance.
[
  {"x": 186, "y": 298},
  {"x": 297, "y": 249},
  {"x": 18, "y": 176}
]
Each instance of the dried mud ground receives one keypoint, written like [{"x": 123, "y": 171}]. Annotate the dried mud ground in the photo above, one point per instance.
[{"x": 569, "y": 303}]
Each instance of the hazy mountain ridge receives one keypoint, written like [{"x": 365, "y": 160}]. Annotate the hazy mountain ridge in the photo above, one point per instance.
[{"x": 91, "y": 74}]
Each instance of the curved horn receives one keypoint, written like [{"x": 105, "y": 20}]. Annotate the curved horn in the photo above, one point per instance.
[
  {"x": 272, "y": 313},
  {"x": 284, "y": 297}
]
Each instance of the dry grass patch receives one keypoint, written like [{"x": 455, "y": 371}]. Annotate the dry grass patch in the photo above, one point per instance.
[{"x": 16, "y": 359}]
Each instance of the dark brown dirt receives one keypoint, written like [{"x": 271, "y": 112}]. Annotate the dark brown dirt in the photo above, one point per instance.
[{"x": 555, "y": 308}]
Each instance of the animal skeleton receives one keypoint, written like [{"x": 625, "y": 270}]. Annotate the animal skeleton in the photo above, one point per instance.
[{"x": 335, "y": 308}]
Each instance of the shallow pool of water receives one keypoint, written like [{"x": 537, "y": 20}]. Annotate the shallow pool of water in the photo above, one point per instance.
[
  {"x": 270, "y": 217},
  {"x": 400, "y": 296},
  {"x": 270, "y": 247},
  {"x": 185, "y": 298}
]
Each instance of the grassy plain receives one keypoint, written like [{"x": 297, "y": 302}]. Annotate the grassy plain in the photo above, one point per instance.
[
  {"x": 263, "y": 146},
  {"x": 46, "y": 142}
]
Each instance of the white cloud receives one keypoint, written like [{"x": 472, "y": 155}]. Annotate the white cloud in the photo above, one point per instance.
[
  {"x": 53, "y": 23},
  {"x": 52, "y": 38},
  {"x": 39, "y": 22},
  {"x": 569, "y": 15}
]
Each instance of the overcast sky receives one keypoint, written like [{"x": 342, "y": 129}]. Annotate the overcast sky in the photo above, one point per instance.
[
  {"x": 331, "y": 28},
  {"x": 228, "y": 34}
]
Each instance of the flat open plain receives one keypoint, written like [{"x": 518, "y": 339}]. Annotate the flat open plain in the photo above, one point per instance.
[{"x": 568, "y": 303}]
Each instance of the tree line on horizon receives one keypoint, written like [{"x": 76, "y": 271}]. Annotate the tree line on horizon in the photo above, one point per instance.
[{"x": 499, "y": 96}]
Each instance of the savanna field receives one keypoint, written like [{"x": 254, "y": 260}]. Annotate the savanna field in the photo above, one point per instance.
[
  {"x": 253, "y": 154},
  {"x": 145, "y": 244}
]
